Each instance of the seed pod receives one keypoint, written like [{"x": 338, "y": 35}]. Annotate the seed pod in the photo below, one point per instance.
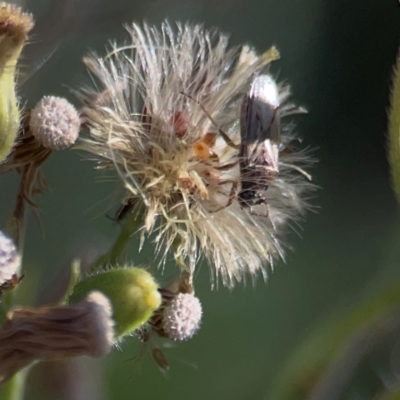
[{"x": 132, "y": 291}]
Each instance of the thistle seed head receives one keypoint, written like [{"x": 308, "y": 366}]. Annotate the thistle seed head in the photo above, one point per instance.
[
  {"x": 9, "y": 259},
  {"x": 55, "y": 123},
  {"x": 166, "y": 119}
]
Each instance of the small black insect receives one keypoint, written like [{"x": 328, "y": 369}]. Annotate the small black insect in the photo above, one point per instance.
[
  {"x": 260, "y": 140},
  {"x": 125, "y": 209}
]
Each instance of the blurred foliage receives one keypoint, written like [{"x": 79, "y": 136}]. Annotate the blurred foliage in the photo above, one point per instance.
[
  {"x": 394, "y": 130},
  {"x": 325, "y": 366},
  {"x": 338, "y": 57}
]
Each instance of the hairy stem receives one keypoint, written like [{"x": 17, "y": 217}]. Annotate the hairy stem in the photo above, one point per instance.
[{"x": 117, "y": 250}]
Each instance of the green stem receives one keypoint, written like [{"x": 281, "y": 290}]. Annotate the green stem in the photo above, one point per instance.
[
  {"x": 14, "y": 388},
  {"x": 117, "y": 250}
]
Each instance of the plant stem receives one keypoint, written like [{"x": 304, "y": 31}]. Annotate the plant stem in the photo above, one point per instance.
[
  {"x": 128, "y": 229},
  {"x": 14, "y": 388}
]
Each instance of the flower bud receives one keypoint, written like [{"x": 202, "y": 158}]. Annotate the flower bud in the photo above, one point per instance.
[
  {"x": 180, "y": 314},
  {"x": 55, "y": 123},
  {"x": 182, "y": 317},
  {"x": 55, "y": 332},
  {"x": 132, "y": 292},
  {"x": 9, "y": 259},
  {"x": 14, "y": 28}
]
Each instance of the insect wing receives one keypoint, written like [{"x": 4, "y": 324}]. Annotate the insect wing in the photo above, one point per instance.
[
  {"x": 259, "y": 121},
  {"x": 260, "y": 140},
  {"x": 159, "y": 358}
]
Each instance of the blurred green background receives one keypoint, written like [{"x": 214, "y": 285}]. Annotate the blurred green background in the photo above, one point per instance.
[{"x": 337, "y": 56}]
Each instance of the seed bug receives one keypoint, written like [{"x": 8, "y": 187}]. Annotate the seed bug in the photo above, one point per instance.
[{"x": 260, "y": 140}]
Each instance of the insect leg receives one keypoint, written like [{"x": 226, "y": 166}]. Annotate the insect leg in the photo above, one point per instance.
[{"x": 232, "y": 195}]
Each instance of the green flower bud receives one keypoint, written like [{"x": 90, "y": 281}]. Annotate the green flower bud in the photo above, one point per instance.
[
  {"x": 14, "y": 28},
  {"x": 132, "y": 291}
]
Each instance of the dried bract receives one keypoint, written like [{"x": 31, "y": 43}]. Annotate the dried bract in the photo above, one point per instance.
[
  {"x": 167, "y": 120},
  {"x": 55, "y": 332}
]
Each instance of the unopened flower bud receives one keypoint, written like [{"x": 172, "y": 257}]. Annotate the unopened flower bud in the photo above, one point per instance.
[
  {"x": 9, "y": 259},
  {"x": 55, "y": 332},
  {"x": 55, "y": 123},
  {"x": 14, "y": 28},
  {"x": 182, "y": 317},
  {"x": 133, "y": 293}
]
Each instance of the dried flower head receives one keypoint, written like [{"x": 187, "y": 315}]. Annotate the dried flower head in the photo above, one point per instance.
[
  {"x": 55, "y": 123},
  {"x": 167, "y": 120},
  {"x": 14, "y": 28},
  {"x": 14, "y": 25},
  {"x": 55, "y": 332},
  {"x": 9, "y": 259}
]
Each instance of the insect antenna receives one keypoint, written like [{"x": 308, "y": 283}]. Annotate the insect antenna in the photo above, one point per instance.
[{"x": 227, "y": 139}]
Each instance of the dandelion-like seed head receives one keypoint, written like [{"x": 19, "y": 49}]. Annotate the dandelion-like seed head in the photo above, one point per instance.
[
  {"x": 166, "y": 118},
  {"x": 9, "y": 259},
  {"x": 55, "y": 123}
]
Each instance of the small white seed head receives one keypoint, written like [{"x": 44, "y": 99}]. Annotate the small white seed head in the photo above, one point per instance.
[
  {"x": 182, "y": 317},
  {"x": 55, "y": 123},
  {"x": 9, "y": 259}
]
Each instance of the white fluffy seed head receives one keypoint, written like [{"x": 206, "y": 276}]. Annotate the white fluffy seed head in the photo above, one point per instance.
[
  {"x": 55, "y": 123},
  {"x": 9, "y": 259},
  {"x": 182, "y": 317},
  {"x": 164, "y": 99}
]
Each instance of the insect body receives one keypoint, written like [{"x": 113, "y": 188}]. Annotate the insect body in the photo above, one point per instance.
[
  {"x": 260, "y": 140},
  {"x": 126, "y": 207}
]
